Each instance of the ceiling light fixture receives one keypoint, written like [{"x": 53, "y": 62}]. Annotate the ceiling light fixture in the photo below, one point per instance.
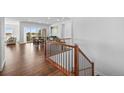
[
  {"x": 62, "y": 18},
  {"x": 58, "y": 20}
]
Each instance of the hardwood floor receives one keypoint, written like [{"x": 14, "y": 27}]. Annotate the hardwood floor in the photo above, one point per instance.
[{"x": 27, "y": 60}]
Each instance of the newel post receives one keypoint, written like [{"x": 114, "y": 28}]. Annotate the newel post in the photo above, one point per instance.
[
  {"x": 76, "y": 60},
  {"x": 92, "y": 69},
  {"x": 45, "y": 43}
]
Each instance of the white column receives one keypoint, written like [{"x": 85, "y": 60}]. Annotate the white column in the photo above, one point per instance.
[
  {"x": 2, "y": 44},
  {"x": 63, "y": 31},
  {"x": 22, "y": 34}
]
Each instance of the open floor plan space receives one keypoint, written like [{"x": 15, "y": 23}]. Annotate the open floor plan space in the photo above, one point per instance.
[
  {"x": 27, "y": 60},
  {"x": 41, "y": 46}
]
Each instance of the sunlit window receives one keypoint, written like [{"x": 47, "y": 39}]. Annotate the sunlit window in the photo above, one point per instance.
[
  {"x": 54, "y": 31},
  {"x": 32, "y": 32},
  {"x": 8, "y": 32}
]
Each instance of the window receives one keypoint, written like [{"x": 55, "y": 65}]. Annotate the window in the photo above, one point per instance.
[
  {"x": 32, "y": 32},
  {"x": 9, "y": 32},
  {"x": 54, "y": 31}
]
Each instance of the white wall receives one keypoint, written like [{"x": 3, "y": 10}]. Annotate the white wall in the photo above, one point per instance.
[
  {"x": 59, "y": 26},
  {"x": 2, "y": 45},
  {"x": 102, "y": 39},
  {"x": 64, "y": 29},
  {"x": 68, "y": 30}
]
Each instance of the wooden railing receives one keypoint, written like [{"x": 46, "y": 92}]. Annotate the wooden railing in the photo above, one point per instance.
[
  {"x": 86, "y": 67},
  {"x": 69, "y": 59}
]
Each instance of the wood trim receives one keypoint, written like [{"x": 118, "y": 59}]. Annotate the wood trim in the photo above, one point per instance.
[
  {"x": 85, "y": 68},
  {"x": 67, "y": 73},
  {"x": 92, "y": 64},
  {"x": 92, "y": 69},
  {"x": 76, "y": 61},
  {"x": 77, "y": 50},
  {"x": 54, "y": 42}
]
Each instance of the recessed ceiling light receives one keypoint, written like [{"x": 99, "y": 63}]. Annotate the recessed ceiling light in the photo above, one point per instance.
[
  {"x": 58, "y": 20},
  {"x": 62, "y": 18}
]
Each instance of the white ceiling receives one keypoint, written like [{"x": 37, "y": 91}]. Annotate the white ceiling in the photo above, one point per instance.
[{"x": 44, "y": 20}]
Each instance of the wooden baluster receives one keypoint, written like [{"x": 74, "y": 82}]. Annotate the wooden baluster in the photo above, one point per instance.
[
  {"x": 49, "y": 50},
  {"x": 59, "y": 58}
]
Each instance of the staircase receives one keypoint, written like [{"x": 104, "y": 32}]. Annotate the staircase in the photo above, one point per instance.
[{"x": 69, "y": 59}]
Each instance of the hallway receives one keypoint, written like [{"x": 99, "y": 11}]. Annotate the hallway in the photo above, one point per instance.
[{"x": 27, "y": 60}]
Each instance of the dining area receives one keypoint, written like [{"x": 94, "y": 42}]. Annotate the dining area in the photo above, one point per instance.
[{"x": 39, "y": 40}]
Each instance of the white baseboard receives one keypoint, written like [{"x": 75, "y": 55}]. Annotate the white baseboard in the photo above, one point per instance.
[
  {"x": 2, "y": 65},
  {"x": 99, "y": 73},
  {"x": 22, "y": 42}
]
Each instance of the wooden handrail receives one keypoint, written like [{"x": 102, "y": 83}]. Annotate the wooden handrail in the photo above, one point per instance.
[
  {"x": 61, "y": 60},
  {"x": 85, "y": 56},
  {"x": 54, "y": 42},
  {"x": 92, "y": 64}
]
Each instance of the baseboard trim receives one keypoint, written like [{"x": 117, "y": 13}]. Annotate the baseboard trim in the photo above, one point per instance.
[
  {"x": 22, "y": 42},
  {"x": 3, "y": 65},
  {"x": 97, "y": 73}
]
